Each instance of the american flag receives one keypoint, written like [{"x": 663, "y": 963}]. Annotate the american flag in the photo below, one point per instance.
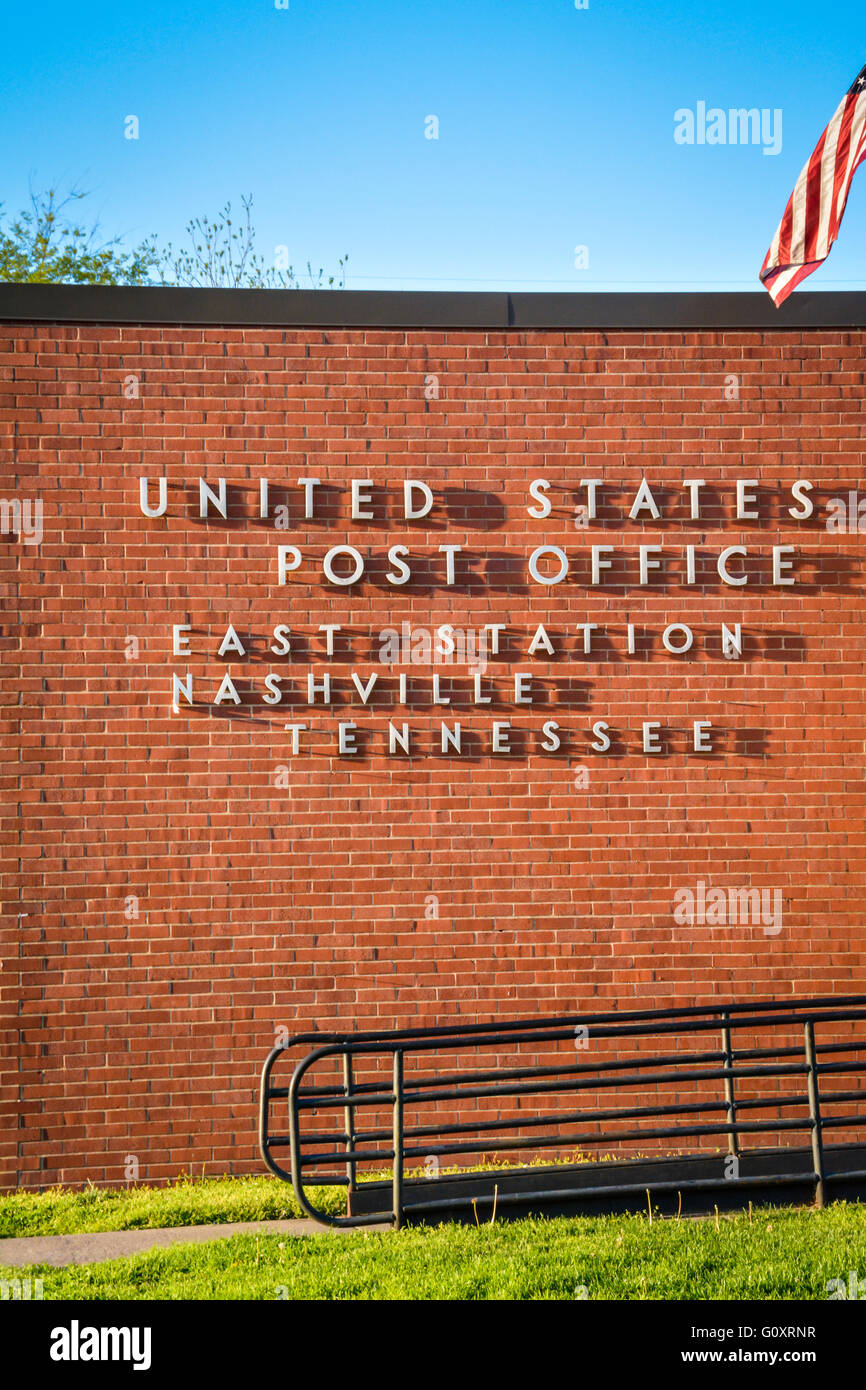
[{"x": 814, "y": 212}]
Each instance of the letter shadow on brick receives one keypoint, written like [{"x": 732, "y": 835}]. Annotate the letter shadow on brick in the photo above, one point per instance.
[
  {"x": 573, "y": 694},
  {"x": 504, "y": 572},
  {"x": 473, "y": 510},
  {"x": 745, "y": 743},
  {"x": 780, "y": 646}
]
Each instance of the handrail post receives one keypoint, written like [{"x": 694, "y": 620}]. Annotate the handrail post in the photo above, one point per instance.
[
  {"x": 349, "y": 1112},
  {"x": 398, "y": 1139},
  {"x": 727, "y": 1049},
  {"x": 815, "y": 1112}
]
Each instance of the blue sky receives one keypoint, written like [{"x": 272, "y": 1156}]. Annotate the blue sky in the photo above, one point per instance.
[{"x": 555, "y": 131}]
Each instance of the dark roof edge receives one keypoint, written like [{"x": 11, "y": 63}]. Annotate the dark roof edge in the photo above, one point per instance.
[{"x": 407, "y": 309}]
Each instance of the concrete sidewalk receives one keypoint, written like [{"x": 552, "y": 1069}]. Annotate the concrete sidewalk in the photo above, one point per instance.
[{"x": 110, "y": 1245}]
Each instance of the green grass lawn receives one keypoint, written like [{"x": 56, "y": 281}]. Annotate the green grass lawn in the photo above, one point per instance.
[
  {"x": 188, "y": 1202},
  {"x": 781, "y": 1254}
]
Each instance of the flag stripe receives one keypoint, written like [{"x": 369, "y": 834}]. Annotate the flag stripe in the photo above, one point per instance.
[{"x": 837, "y": 131}]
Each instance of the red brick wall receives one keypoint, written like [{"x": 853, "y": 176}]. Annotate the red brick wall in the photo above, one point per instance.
[{"x": 263, "y": 905}]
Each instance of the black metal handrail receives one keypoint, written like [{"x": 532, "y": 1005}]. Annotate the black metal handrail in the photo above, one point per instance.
[{"x": 715, "y": 1111}]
